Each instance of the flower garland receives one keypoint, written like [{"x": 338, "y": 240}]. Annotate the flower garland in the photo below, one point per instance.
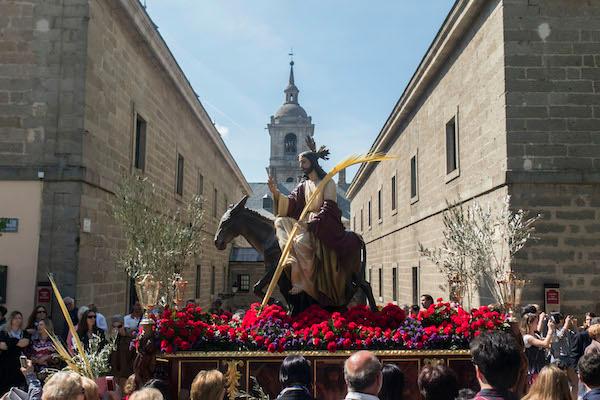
[{"x": 443, "y": 325}]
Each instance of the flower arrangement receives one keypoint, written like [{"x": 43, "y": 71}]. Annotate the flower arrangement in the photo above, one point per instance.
[
  {"x": 443, "y": 326},
  {"x": 98, "y": 355}
]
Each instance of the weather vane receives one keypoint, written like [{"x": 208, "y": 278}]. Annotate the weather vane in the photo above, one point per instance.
[{"x": 291, "y": 54}]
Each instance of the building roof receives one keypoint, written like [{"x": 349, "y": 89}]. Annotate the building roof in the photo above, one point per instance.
[
  {"x": 457, "y": 23},
  {"x": 291, "y": 110},
  {"x": 245, "y": 254}
]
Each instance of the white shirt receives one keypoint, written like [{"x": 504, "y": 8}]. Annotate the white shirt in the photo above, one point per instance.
[
  {"x": 101, "y": 322},
  {"x": 131, "y": 323},
  {"x": 360, "y": 396}
]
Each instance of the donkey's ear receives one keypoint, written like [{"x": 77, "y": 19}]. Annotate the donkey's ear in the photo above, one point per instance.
[{"x": 241, "y": 204}]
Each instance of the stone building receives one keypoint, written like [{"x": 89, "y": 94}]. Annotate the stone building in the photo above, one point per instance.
[
  {"x": 90, "y": 91},
  {"x": 506, "y": 101}
]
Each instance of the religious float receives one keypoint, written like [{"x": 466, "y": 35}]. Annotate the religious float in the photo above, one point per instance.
[
  {"x": 249, "y": 348},
  {"x": 321, "y": 322}
]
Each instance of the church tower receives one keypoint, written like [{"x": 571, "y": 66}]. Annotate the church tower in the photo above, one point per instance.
[{"x": 288, "y": 130}]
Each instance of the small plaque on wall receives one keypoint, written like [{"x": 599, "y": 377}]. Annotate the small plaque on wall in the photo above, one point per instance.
[{"x": 9, "y": 225}]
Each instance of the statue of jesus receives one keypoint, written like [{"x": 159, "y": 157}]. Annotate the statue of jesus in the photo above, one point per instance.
[{"x": 313, "y": 262}]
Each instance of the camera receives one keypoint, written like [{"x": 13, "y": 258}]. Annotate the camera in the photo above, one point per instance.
[{"x": 556, "y": 317}]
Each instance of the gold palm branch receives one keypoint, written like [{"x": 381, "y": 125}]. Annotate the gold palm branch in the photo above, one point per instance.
[
  {"x": 63, "y": 352},
  {"x": 352, "y": 160}
]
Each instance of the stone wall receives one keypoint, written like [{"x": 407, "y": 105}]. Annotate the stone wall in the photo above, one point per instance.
[
  {"x": 553, "y": 132},
  {"x": 473, "y": 92},
  {"x": 41, "y": 118},
  {"x": 124, "y": 78}
]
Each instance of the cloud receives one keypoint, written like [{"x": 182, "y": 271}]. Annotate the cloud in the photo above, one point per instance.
[{"x": 222, "y": 129}]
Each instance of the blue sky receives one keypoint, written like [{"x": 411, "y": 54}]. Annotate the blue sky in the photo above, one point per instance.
[{"x": 352, "y": 62}]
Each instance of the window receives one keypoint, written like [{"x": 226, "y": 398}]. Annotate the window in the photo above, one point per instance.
[
  {"x": 369, "y": 214},
  {"x": 140, "y": 143},
  {"x": 371, "y": 275},
  {"x": 212, "y": 279},
  {"x": 200, "y": 190},
  {"x": 243, "y": 282},
  {"x": 198, "y": 280},
  {"x": 380, "y": 282},
  {"x": 215, "y": 197},
  {"x": 393, "y": 191},
  {"x": 451, "y": 146},
  {"x": 354, "y": 222},
  {"x": 395, "y": 284},
  {"x": 267, "y": 203},
  {"x": 379, "y": 213},
  {"x": 289, "y": 144},
  {"x": 179, "y": 182},
  {"x": 415, "y": 285},
  {"x": 224, "y": 279},
  {"x": 361, "y": 220},
  {"x": 289, "y": 180},
  {"x": 413, "y": 178}
]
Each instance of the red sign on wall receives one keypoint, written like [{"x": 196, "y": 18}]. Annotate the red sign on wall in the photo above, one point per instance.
[
  {"x": 553, "y": 296},
  {"x": 44, "y": 295}
]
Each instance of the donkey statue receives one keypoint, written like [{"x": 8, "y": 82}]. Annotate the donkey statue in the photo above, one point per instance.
[{"x": 259, "y": 231}]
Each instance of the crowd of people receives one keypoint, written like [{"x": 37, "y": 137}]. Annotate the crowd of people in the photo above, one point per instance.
[
  {"x": 31, "y": 338},
  {"x": 556, "y": 340},
  {"x": 551, "y": 358}
]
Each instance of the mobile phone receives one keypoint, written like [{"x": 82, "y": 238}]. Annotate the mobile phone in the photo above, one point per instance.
[
  {"x": 110, "y": 383},
  {"x": 23, "y": 361}
]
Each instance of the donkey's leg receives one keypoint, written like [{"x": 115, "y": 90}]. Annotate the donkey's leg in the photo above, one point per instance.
[
  {"x": 368, "y": 291},
  {"x": 270, "y": 264}
]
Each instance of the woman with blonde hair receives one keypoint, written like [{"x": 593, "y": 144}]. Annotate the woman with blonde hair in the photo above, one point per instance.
[
  {"x": 208, "y": 385},
  {"x": 146, "y": 394},
  {"x": 552, "y": 383},
  {"x": 64, "y": 385},
  {"x": 90, "y": 389}
]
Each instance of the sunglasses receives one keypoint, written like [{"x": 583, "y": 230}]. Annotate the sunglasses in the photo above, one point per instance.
[
  {"x": 91, "y": 316},
  {"x": 41, "y": 311}
]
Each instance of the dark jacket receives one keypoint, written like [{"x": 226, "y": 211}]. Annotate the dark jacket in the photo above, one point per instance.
[
  {"x": 85, "y": 339},
  {"x": 295, "y": 393},
  {"x": 493, "y": 394},
  {"x": 10, "y": 366},
  {"x": 121, "y": 359},
  {"x": 593, "y": 394}
]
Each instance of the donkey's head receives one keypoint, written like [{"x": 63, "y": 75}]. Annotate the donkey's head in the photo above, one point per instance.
[{"x": 230, "y": 224}]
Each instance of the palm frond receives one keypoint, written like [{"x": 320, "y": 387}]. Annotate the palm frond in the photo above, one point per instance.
[
  {"x": 63, "y": 353},
  {"x": 79, "y": 345}
]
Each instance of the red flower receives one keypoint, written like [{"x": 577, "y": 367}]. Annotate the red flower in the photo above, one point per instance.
[{"x": 331, "y": 347}]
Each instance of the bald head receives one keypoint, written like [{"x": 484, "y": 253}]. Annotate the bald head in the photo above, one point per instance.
[{"x": 362, "y": 371}]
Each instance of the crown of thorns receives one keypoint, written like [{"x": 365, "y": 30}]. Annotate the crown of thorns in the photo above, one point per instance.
[{"x": 323, "y": 152}]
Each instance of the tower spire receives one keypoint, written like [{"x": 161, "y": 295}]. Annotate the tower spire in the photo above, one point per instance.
[
  {"x": 291, "y": 54},
  {"x": 291, "y": 91}
]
